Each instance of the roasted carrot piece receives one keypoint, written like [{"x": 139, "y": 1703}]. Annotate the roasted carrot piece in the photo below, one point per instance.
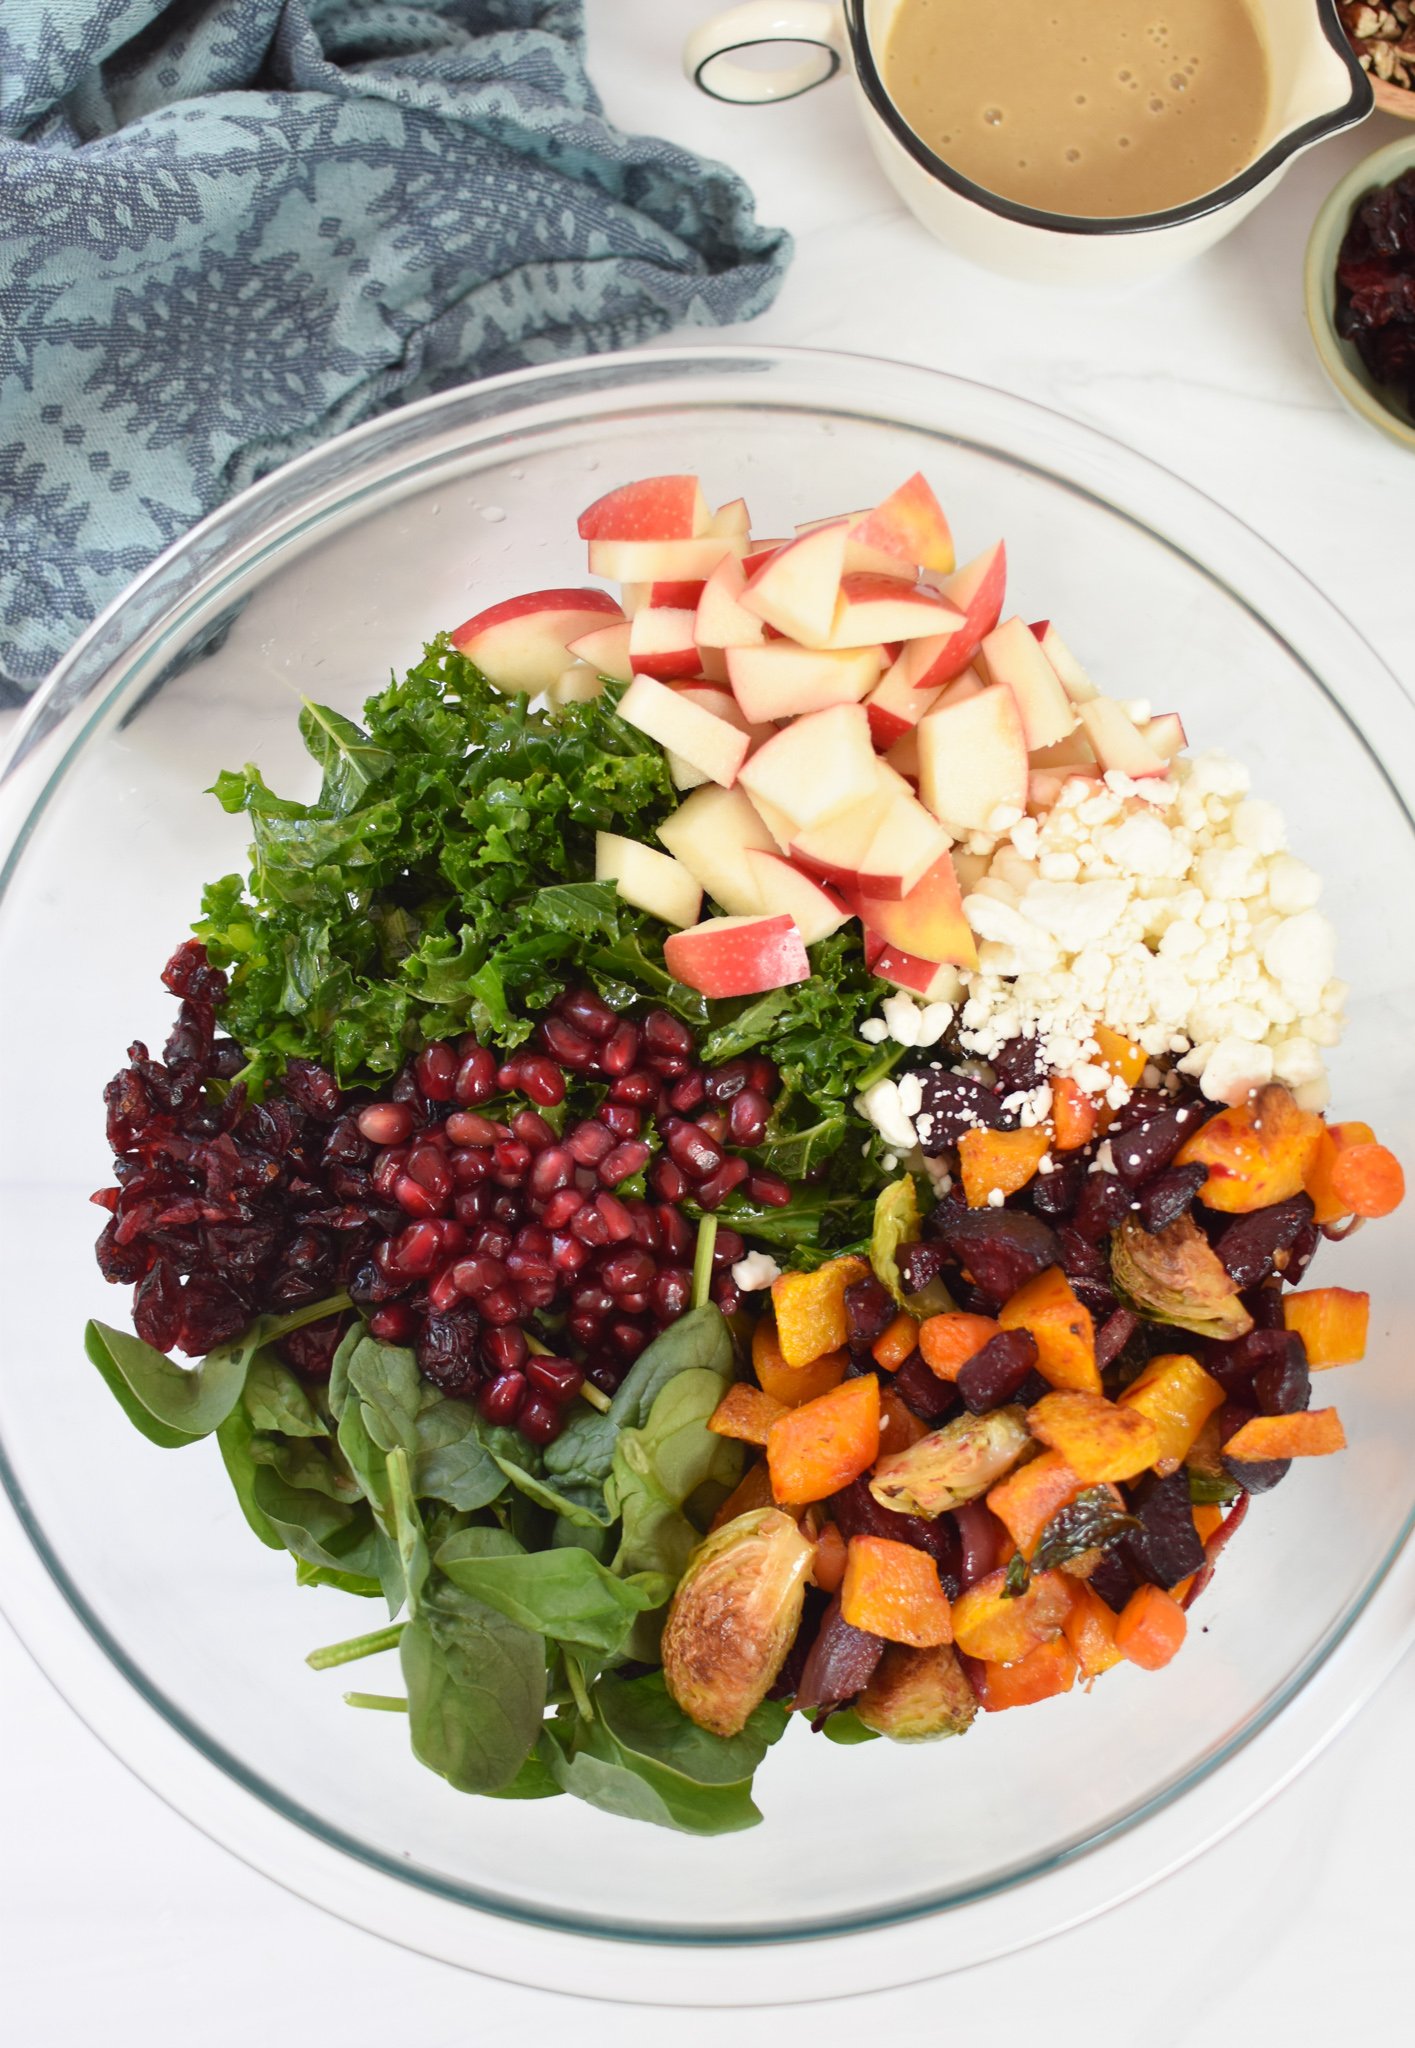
[
  {"x": 1327, "y": 1205},
  {"x": 1332, "y": 1323},
  {"x": 1025, "y": 1501},
  {"x": 745, "y": 1413},
  {"x": 793, "y": 1385},
  {"x": 996, "y": 1629},
  {"x": 1040, "y": 1675},
  {"x": 1311, "y": 1433},
  {"x": 1257, "y": 1153},
  {"x": 1062, "y": 1326},
  {"x": 1208, "y": 1517},
  {"x": 899, "y": 1426},
  {"x": 1178, "y": 1396},
  {"x": 753, "y": 1490},
  {"x": 948, "y": 1342},
  {"x": 1090, "y": 1630},
  {"x": 1097, "y": 1439},
  {"x": 1005, "y": 1160},
  {"x": 810, "y": 1309},
  {"x": 1073, "y": 1114},
  {"x": 829, "y": 1567},
  {"x": 1124, "y": 1058},
  {"x": 896, "y": 1344},
  {"x": 1151, "y": 1628},
  {"x": 1367, "y": 1180},
  {"x": 892, "y": 1590},
  {"x": 815, "y": 1450}
]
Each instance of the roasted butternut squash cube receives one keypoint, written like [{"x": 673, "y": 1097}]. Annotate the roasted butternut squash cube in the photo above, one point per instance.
[
  {"x": 810, "y": 1309},
  {"x": 1062, "y": 1326},
  {"x": 815, "y": 1450},
  {"x": 1256, "y": 1153},
  {"x": 892, "y": 1590},
  {"x": 1178, "y": 1397},
  {"x": 1332, "y": 1323},
  {"x": 1098, "y": 1440}
]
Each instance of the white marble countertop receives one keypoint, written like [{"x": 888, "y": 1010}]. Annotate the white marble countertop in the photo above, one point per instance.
[{"x": 121, "y": 1921}]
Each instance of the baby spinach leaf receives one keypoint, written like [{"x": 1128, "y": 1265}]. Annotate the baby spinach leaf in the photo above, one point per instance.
[
  {"x": 645, "y": 1721},
  {"x": 656, "y": 1468},
  {"x": 599, "y": 1772},
  {"x": 320, "y": 1532},
  {"x": 845, "y": 1727},
  {"x": 563, "y": 1594},
  {"x": 534, "y": 1780},
  {"x": 453, "y": 1465},
  {"x": 234, "y": 1439},
  {"x": 305, "y": 1463},
  {"x": 275, "y": 1400},
  {"x": 583, "y": 1453}
]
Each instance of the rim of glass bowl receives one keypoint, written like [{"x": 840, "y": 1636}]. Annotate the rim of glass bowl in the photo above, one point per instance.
[{"x": 400, "y": 451}]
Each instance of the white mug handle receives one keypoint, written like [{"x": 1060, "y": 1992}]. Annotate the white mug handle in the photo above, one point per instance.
[{"x": 815, "y": 24}]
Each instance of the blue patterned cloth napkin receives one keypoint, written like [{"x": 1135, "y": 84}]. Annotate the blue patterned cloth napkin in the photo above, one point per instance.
[{"x": 229, "y": 228}]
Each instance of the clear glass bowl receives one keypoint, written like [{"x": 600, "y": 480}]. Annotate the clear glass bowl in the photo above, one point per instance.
[{"x": 129, "y": 1570}]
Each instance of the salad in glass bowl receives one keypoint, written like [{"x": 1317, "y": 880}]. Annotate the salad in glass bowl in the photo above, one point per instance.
[{"x": 872, "y": 1302}]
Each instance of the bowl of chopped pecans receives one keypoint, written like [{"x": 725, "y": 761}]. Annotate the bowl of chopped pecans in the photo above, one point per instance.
[{"x": 1383, "y": 37}]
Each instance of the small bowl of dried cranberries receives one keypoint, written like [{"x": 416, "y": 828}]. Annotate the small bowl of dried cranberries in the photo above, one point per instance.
[{"x": 1360, "y": 289}]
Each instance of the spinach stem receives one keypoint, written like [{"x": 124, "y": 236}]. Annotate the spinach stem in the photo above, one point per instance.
[
  {"x": 355, "y": 1647},
  {"x": 702, "y": 1260},
  {"x": 578, "y": 1687},
  {"x": 596, "y": 1397},
  {"x": 377, "y": 1702}
]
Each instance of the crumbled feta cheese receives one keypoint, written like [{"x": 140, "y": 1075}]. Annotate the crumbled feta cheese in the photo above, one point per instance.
[
  {"x": 996, "y": 1198},
  {"x": 934, "y": 1020},
  {"x": 1234, "y": 1068},
  {"x": 879, "y": 1105},
  {"x": 911, "y": 1095},
  {"x": 756, "y": 1271},
  {"x": 874, "y": 1030},
  {"x": 901, "y": 1016}
]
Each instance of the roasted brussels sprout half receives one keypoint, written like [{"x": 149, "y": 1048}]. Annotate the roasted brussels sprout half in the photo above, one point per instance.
[
  {"x": 917, "y": 1695},
  {"x": 733, "y": 1618},
  {"x": 1174, "y": 1276},
  {"x": 951, "y": 1465}
]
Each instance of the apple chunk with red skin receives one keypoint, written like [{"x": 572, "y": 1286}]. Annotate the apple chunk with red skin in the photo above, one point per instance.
[
  {"x": 1165, "y": 733},
  {"x": 816, "y": 767},
  {"x": 1010, "y": 654},
  {"x": 977, "y": 591},
  {"x": 654, "y": 508},
  {"x": 872, "y": 609},
  {"x": 928, "y": 922},
  {"x": 660, "y": 561},
  {"x": 711, "y": 833},
  {"x": 738, "y": 956},
  {"x": 909, "y": 524},
  {"x": 1073, "y": 678},
  {"x": 722, "y": 620},
  {"x": 606, "y": 650},
  {"x": 816, "y": 911},
  {"x": 523, "y": 644},
  {"x": 796, "y": 588},
  {"x": 972, "y": 759},
  {"x": 648, "y": 879},
  {"x": 894, "y": 706},
  {"x": 907, "y": 842},
  {"x": 1118, "y": 741},
  {"x": 781, "y": 680},
  {"x": 684, "y": 728},
  {"x": 930, "y": 981},
  {"x": 661, "y": 643}
]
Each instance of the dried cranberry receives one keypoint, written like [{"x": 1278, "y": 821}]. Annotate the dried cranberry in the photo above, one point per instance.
[
  {"x": 310, "y": 1351},
  {"x": 157, "y": 1307},
  {"x": 447, "y": 1351}
]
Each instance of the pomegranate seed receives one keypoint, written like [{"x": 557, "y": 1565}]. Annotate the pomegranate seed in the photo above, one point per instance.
[
  {"x": 470, "y": 1207},
  {"x": 416, "y": 1250},
  {"x": 665, "y": 1033},
  {"x": 392, "y": 1324},
  {"x": 620, "y": 1050},
  {"x": 386, "y": 1171},
  {"x": 567, "y": 1254},
  {"x": 585, "y": 1327},
  {"x": 510, "y": 1160},
  {"x": 621, "y": 1119},
  {"x": 465, "y": 1127},
  {"x": 588, "y": 1143},
  {"x": 539, "y": 1420},
  {"x": 747, "y": 1118},
  {"x": 634, "y": 1304},
  {"x": 532, "y": 1129},
  {"x": 763, "y": 1076},
  {"x": 646, "y": 1228},
  {"x": 508, "y": 1075},
  {"x": 561, "y": 1205},
  {"x": 411, "y": 1195},
  {"x": 476, "y": 1078},
  {"x": 531, "y": 1237},
  {"x": 500, "y": 1399},
  {"x": 552, "y": 1172},
  {"x": 430, "y": 1170},
  {"x": 436, "y": 1069},
  {"x": 385, "y": 1123},
  {"x": 604, "y": 1373},
  {"x": 727, "y": 1249},
  {"x": 727, "y": 1081},
  {"x": 587, "y": 1013},
  {"x": 718, "y": 1186},
  {"x": 727, "y": 1294},
  {"x": 637, "y": 1088},
  {"x": 541, "y": 1079},
  {"x": 538, "y": 1293},
  {"x": 623, "y": 1162},
  {"x": 444, "y": 1291},
  {"x": 617, "y": 1220},
  {"x": 671, "y": 1292},
  {"x": 627, "y": 1338},
  {"x": 714, "y": 1122},
  {"x": 478, "y": 1275},
  {"x": 628, "y": 1272},
  {"x": 591, "y": 1300},
  {"x": 567, "y": 1045},
  {"x": 688, "y": 1094},
  {"x": 493, "y": 1239},
  {"x": 529, "y": 1266},
  {"x": 691, "y": 1149},
  {"x": 500, "y": 1306},
  {"x": 769, "y": 1190},
  {"x": 677, "y": 1234},
  {"x": 470, "y": 1164},
  {"x": 560, "y": 1378},
  {"x": 504, "y": 1349},
  {"x": 589, "y": 1226},
  {"x": 669, "y": 1182},
  {"x": 506, "y": 1208}
]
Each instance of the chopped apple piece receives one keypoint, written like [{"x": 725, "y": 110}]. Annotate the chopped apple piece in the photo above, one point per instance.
[
  {"x": 972, "y": 759},
  {"x": 894, "y": 706},
  {"x": 655, "y": 508},
  {"x": 683, "y": 774},
  {"x": 711, "y": 834},
  {"x": 738, "y": 956},
  {"x": 796, "y": 589},
  {"x": 578, "y": 685},
  {"x": 834, "y": 851},
  {"x": 722, "y": 704},
  {"x": 1044, "y": 785},
  {"x": 976, "y": 590},
  {"x": 903, "y": 756},
  {"x": 872, "y": 609},
  {"x": 731, "y": 519},
  {"x": 1165, "y": 733},
  {"x": 784, "y": 887},
  {"x": 1118, "y": 741},
  {"x": 660, "y": 561},
  {"x": 705, "y": 742},
  {"x": 1074, "y": 680},
  {"x": 722, "y": 620},
  {"x": 929, "y": 980},
  {"x": 1075, "y": 751},
  {"x": 928, "y": 922},
  {"x": 523, "y": 644},
  {"x": 607, "y": 650},
  {"x": 969, "y": 684},
  {"x": 909, "y": 524},
  {"x": 860, "y": 559},
  {"x": 714, "y": 663},
  {"x": 1011, "y": 655},
  {"x": 650, "y": 880},
  {"x": 816, "y": 767},
  {"x": 781, "y": 680},
  {"x": 661, "y": 643},
  {"x": 906, "y": 844}
]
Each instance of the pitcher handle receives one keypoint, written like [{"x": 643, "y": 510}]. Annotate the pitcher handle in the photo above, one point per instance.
[{"x": 815, "y": 24}]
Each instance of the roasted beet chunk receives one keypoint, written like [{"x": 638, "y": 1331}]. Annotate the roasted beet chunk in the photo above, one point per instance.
[
  {"x": 1056, "y": 1194},
  {"x": 1113, "y": 1579},
  {"x": 1146, "y": 1148},
  {"x": 1002, "y": 1248},
  {"x": 953, "y": 1104},
  {"x": 1283, "y": 1385},
  {"x": 1254, "y": 1475},
  {"x": 921, "y": 1389},
  {"x": 869, "y": 1310},
  {"x": 918, "y": 1265},
  {"x": 1166, "y": 1548},
  {"x": 856, "y": 1512},
  {"x": 1246, "y": 1246},
  {"x": 1234, "y": 1365},
  {"x": 994, "y": 1375},
  {"x": 1113, "y": 1336},
  {"x": 1104, "y": 1201},
  {"x": 1170, "y": 1195},
  {"x": 841, "y": 1663},
  {"x": 1018, "y": 1064}
]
